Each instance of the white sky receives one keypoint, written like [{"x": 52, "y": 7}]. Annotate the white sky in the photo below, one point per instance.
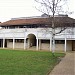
[{"x": 23, "y": 8}]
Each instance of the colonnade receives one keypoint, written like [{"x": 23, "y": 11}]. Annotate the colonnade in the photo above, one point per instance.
[{"x": 38, "y": 44}]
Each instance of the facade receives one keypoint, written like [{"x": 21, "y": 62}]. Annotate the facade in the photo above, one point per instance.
[{"x": 35, "y": 33}]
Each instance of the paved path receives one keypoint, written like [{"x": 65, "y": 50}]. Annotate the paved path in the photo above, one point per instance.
[{"x": 66, "y": 66}]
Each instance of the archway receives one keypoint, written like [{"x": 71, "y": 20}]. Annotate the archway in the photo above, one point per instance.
[{"x": 31, "y": 40}]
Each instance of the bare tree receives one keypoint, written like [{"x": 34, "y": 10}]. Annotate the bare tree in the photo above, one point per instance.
[{"x": 52, "y": 7}]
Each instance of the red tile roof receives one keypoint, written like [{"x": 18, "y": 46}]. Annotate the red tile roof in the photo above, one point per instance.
[{"x": 58, "y": 21}]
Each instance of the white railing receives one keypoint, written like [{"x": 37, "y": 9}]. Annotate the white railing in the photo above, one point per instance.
[{"x": 20, "y": 32}]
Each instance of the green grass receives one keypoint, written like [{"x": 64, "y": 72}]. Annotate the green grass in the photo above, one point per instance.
[{"x": 13, "y": 62}]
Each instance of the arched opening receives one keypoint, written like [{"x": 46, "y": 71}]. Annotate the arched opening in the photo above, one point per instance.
[{"x": 31, "y": 40}]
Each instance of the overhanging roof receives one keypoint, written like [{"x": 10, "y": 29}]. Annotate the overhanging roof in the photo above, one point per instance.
[{"x": 59, "y": 21}]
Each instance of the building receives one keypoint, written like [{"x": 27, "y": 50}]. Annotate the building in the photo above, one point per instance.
[{"x": 35, "y": 33}]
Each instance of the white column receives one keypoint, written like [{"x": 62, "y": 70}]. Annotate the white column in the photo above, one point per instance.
[
  {"x": 24, "y": 43},
  {"x": 50, "y": 44},
  {"x": 65, "y": 44},
  {"x": 13, "y": 43},
  {"x": 37, "y": 44},
  {"x": 3, "y": 42}
]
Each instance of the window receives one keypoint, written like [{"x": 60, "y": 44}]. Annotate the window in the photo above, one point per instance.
[
  {"x": 59, "y": 41},
  {"x": 45, "y": 41},
  {"x": 19, "y": 40},
  {"x": 10, "y": 40}
]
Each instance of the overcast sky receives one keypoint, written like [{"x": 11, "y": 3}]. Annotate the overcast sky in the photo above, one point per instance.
[{"x": 23, "y": 8}]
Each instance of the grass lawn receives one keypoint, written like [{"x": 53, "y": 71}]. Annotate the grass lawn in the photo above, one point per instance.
[{"x": 13, "y": 62}]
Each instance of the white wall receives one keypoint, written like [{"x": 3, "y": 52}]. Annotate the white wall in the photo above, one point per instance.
[
  {"x": 23, "y": 33},
  {"x": 69, "y": 33}
]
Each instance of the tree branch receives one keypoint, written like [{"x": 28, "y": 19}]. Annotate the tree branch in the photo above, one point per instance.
[{"x": 61, "y": 30}]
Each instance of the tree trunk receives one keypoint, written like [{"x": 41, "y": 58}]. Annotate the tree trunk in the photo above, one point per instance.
[
  {"x": 53, "y": 43},
  {"x": 53, "y": 29}
]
